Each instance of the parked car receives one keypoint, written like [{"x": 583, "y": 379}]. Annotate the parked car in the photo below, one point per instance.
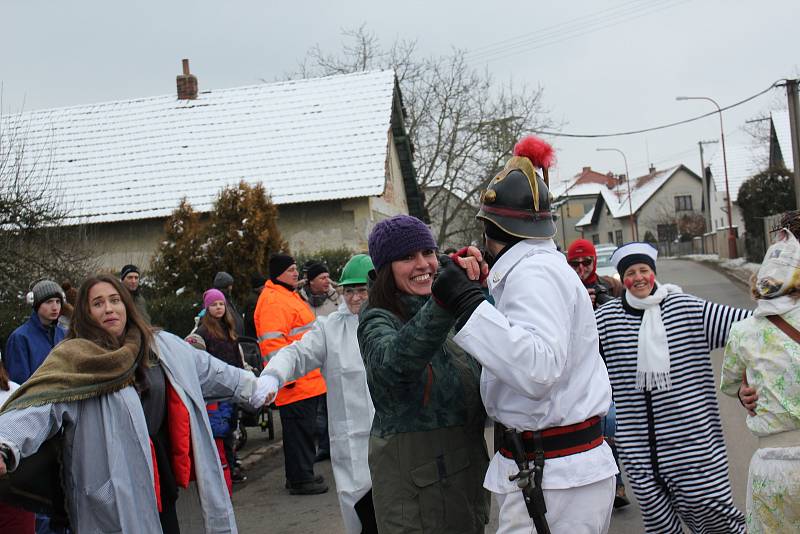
[{"x": 604, "y": 267}]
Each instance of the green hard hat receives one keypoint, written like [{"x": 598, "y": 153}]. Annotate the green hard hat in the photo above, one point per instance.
[{"x": 356, "y": 270}]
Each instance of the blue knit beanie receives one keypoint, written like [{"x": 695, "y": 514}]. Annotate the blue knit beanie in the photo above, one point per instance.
[{"x": 396, "y": 237}]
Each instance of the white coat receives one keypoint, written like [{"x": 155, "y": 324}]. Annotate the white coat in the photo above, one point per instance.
[
  {"x": 541, "y": 362},
  {"x": 107, "y": 458},
  {"x": 332, "y": 346}
]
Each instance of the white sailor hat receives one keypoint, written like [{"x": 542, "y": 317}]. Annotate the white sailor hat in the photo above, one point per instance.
[{"x": 633, "y": 253}]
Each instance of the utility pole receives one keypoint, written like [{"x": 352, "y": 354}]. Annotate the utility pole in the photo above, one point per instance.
[
  {"x": 732, "y": 252},
  {"x": 794, "y": 124},
  {"x": 704, "y": 181},
  {"x": 634, "y": 225}
]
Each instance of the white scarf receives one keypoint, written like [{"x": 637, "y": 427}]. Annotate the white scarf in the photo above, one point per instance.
[
  {"x": 652, "y": 360},
  {"x": 776, "y": 306}
]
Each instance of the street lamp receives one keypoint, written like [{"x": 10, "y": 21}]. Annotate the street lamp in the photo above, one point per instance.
[
  {"x": 731, "y": 238},
  {"x": 634, "y": 230}
]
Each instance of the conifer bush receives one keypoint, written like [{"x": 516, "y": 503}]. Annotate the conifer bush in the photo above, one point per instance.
[{"x": 238, "y": 237}]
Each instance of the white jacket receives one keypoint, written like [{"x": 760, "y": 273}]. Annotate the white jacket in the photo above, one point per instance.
[
  {"x": 332, "y": 346},
  {"x": 107, "y": 458},
  {"x": 541, "y": 361}
]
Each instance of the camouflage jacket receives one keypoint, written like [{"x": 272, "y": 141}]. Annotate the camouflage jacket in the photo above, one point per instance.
[{"x": 419, "y": 379}]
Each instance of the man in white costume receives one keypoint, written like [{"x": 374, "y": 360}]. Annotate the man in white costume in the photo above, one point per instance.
[
  {"x": 332, "y": 346},
  {"x": 543, "y": 380}
]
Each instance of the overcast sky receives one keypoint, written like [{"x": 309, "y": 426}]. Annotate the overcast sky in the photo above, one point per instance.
[{"x": 606, "y": 66}]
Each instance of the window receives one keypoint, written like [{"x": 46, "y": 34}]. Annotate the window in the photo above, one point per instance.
[
  {"x": 610, "y": 237},
  {"x": 619, "y": 237},
  {"x": 683, "y": 203},
  {"x": 667, "y": 232},
  {"x": 595, "y": 239}
]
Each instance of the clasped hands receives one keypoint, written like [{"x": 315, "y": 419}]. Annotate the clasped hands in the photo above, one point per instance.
[
  {"x": 457, "y": 287},
  {"x": 266, "y": 390}
]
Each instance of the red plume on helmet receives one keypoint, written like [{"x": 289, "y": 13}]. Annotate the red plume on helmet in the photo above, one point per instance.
[{"x": 537, "y": 150}]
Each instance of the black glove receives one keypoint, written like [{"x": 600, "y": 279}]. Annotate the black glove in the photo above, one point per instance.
[{"x": 455, "y": 291}]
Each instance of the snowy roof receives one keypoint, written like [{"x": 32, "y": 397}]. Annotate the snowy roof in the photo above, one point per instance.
[
  {"x": 305, "y": 140},
  {"x": 783, "y": 130},
  {"x": 642, "y": 189},
  {"x": 585, "y": 183},
  {"x": 586, "y": 220},
  {"x": 744, "y": 162}
]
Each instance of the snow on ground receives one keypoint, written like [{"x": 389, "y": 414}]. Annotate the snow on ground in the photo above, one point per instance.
[{"x": 738, "y": 267}]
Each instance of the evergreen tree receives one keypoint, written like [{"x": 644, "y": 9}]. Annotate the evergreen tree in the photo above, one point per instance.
[
  {"x": 241, "y": 234},
  {"x": 180, "y": 254},
  {"x": 766, "y": 193}
]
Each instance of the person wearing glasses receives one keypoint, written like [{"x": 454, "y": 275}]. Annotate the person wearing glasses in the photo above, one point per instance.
[
  {"x": 582, "y": 257},
  {"x": 332, "y": 346}
]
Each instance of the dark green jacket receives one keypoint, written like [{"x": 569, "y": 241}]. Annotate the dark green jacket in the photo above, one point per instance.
[
  {"x": 418, "y": 378},
  {"x": 427, "y": 452}
]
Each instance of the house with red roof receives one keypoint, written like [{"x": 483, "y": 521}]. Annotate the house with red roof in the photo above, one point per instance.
[
  {"x": 660, "y": 207},
  {"x": 575, "y": 198}
]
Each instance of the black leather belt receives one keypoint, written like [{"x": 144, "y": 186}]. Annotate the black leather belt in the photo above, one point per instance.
[{"x": 557, "y": 441}]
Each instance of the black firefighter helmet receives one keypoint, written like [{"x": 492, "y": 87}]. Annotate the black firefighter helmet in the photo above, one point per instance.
[{"x": 517, "y": 200}]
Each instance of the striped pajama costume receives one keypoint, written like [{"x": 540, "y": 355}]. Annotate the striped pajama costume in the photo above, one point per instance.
[{"x": 671, "y": 442}]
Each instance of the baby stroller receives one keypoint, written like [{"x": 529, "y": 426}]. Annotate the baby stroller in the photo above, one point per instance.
[{"x": 263, "y": 416}]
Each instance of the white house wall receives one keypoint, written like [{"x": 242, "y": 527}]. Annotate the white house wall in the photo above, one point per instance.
[
  {"x": 661, "y": 205},
  {"x": 393, "y": 200},
  {"x": 719, "y": 214}
]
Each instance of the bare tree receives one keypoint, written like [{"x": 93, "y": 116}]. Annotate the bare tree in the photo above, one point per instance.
[
  {"x": 682, "y": 225},
  {"x": 34, "y": 242},
  {"x": 462, "y": 123}
]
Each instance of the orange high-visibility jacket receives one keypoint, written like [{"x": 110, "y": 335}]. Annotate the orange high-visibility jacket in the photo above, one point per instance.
[{"x": 282, "y": 317}]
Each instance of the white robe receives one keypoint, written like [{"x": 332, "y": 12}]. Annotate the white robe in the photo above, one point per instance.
[
  {"x": 332, "y": 346},
  {"x": 541, "y": 369},
  {"x": 106, "y": 446}
]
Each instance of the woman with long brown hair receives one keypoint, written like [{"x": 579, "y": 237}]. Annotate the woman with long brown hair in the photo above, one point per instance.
[
  {"x": 427, "y": 453},
  {"x": 129, "y": 403}
]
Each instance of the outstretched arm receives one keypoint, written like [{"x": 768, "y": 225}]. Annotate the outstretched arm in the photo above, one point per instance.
[
  {"x": 23, "y": 431},
  {"x": 717, "y": 322},
  {"x": 301, "y": 357}
]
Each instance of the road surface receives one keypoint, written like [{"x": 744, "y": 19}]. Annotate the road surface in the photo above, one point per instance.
[{"x": 262, "y": 504}]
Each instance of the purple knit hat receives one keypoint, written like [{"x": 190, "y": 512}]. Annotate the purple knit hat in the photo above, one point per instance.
[
  {"x": 396, "y": 237},
  {"x": 211, "y": 296}
]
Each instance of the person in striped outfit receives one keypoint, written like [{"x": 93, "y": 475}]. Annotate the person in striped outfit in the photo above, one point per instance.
[{"x": 656, "y": 342}]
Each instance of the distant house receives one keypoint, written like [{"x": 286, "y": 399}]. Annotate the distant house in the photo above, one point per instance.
[
  {"x": 574, "y": 199},
  {"x": 659, "y": 201},
  {"x": 744, "y": 162},
  {"x": 332, "y": 152}
]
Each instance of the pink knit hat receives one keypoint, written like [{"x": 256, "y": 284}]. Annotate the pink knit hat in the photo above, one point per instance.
[{"x": 211, "y": 296}]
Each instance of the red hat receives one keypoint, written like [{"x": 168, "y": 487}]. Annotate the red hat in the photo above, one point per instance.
[{"x": 581, "y": 248}]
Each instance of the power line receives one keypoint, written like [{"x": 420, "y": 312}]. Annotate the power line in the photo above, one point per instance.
[
  {"x": 547, "y": 30},
  {"x": 663, "y": 126},
  {"x": 573, "y": 29}
]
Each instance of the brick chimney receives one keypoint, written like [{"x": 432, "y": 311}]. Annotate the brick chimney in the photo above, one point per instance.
[
  {"x": 187, "y": 83},
  {"x": 587, "y": 169},
  {"x": 652, "y": 169}
]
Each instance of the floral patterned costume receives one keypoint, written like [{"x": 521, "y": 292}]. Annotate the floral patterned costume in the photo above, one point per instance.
[{"x": 772, "y": 362}]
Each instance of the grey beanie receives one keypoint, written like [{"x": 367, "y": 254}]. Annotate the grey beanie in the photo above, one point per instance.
[
  {"x": 222, "y": 280},
  {"x": 45, "y": 290}
]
